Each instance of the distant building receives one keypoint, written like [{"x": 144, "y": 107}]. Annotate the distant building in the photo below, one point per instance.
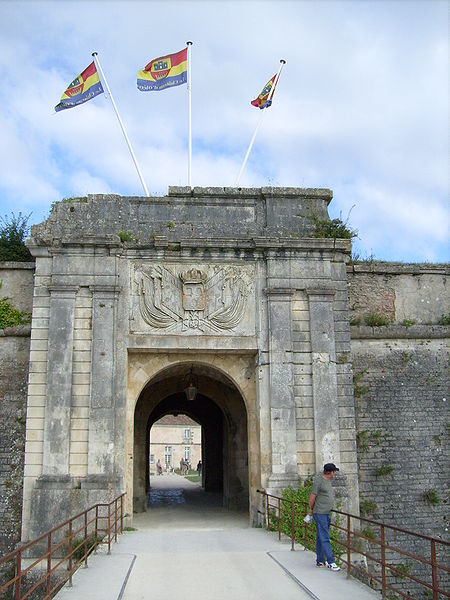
[{"x": 175, "y": 438}]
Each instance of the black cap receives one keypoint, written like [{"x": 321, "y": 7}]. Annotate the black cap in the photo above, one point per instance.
[{"x": 329, "y": 467}]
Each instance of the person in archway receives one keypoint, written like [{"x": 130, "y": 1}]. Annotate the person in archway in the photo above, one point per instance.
[
  {"x": 159, "y": 467},
  {"x": 321, "y": 502},
  {"x": 199, "y": 468}
]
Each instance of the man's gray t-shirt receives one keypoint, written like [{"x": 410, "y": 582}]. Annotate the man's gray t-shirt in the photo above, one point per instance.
[{"x": 324, "y": 492}]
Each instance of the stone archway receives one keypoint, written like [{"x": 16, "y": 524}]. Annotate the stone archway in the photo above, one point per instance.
[{"x": 225, "y": 407}]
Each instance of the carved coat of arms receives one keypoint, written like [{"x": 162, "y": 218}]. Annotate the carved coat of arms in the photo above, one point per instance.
[{"x": 192, "y": 299}]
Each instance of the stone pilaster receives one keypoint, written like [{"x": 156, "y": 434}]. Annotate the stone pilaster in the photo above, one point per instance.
[
  {"x": 324, "y": 378},
  {"x": 281, "y": 390},
  {"x": 101, "y": 412},
  {"x": 59, "y": 380}
]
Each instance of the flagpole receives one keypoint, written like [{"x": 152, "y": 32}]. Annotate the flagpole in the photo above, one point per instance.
[
  {"x": 97, "y": 62},
  {"x": 282, "y": 63},
  {"x": 189, "y": 88}
]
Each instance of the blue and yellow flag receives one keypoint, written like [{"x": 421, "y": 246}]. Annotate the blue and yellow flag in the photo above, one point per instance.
[
  {"x": 262, "y": 101},
  {"x": 84, "y": 87},
  {"x": 163, "y": 72}
]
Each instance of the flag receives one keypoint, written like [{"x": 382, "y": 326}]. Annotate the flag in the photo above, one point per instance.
[
  {"x": 262, "y": 100},
  {"x": 163, "y": 72},
  {"x": 84, "y": 87}
]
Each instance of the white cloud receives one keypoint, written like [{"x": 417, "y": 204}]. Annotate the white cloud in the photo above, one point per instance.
[{"x": 362, "y": 106}]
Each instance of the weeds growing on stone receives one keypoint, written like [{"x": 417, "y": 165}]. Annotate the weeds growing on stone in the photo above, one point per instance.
[
  {"x": 408, "y": 323},
  {"x": 10, "y": 316},
  {"x": 368, "y": 507},
  {"x": 125, "y": 236},
  {"x": 335, "y": 228},
  {"x": 376, "y": 320},
  {"x": 431, "y": 496},
  {"x": 384, "y": 470}
]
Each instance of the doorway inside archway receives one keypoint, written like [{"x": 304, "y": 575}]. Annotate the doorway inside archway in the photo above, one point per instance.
[
  {"x": 218, "y": 407},
  {"x": 176, "y": 447}
]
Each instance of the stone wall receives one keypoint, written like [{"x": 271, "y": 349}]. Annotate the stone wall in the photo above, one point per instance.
[
  {"x": 14, "y": 350},
  {"x": 403, "y": 293},
  {"x": 16, "y": 284},
  {"x": 400, "y": 371},
  {"x": 402, "y": 384}
]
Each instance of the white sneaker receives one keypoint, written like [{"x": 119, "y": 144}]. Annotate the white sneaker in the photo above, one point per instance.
[{"x": 333, "y": 566}]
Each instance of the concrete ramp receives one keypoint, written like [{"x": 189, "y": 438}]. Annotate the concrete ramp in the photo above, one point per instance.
[{"x": 197, "y": 550}]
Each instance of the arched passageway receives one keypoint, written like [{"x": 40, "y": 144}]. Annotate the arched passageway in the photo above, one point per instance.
[{"x": 220, "y": 410}]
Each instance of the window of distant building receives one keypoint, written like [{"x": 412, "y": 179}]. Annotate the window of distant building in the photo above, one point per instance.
[
  {"x": 152, "y": 458},
  {"x": 168, "y": 455},
  {"x": 187, "y": 433},
  {"x": 187, "y": 453}
]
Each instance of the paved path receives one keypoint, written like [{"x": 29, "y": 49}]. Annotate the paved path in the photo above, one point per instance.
[{"x": 187, "y": 546}]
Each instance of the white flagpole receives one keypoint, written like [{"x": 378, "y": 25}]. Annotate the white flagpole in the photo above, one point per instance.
[
  {"x": 189, "y": 88},
  {"x": 283, "y": 62},
  {"x": 95, "y": 55}
]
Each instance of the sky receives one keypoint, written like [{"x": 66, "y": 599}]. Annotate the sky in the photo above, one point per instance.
[{"x": 362, "y": 107}]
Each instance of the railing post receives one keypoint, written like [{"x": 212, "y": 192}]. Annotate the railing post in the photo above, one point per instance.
[
  {"x": 96, "y": 529},
  {"x": 279, "y": 519},
  {"x": 349, "y": 542},
  {"x": 70, "y": 553},
  {"x": 85, "y": 540},
  {"x": 121, "y": 514},
  {"x": 292, "y": 526},
  {"x": 49, "y": 561},
  {"x": 115, "y": 520},
  {"x": 305, "y": 528},
  {"x": 109, "y": 528},
  {"x": 268, "y": 513},
  {"x": 434, "y": 578},
  {"x": 383, "y": 562},
  {"x": 18, "y": 574}
]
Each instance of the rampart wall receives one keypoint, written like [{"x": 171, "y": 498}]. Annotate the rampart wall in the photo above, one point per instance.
[
  {"x": 16, "y": 284},
  {"x": 401, "y": 390},
  {"x": 401, "y": 377}
]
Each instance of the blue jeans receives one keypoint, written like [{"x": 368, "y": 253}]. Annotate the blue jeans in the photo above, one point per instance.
[{"x": 323, "y": 546}]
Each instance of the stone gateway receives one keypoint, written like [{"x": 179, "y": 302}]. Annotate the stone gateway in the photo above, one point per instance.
[{"x": 225, "y": 288}]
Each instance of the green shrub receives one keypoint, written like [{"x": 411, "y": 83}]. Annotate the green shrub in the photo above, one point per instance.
[
  {"x": 78, "y": 546},
  {"x": 10, "y": 316},
  {"x": 376, "y": 320},
  {"x": 300, "y": 497},
  {"x": 335, "y": 228},
  {"x": 444, "y": 320},
  {"x": 13, "y": 231},
  {"x": 368, "y": 533}
]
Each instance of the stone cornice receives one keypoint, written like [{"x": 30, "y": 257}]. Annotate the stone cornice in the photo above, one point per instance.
[
  {"x": 16, "y": 265},
  {"x": 392, "y": 268},
  {"x": 321, "y": 294},
  {"x": 279, "y": 293},
  {"x": 395, "y": 332}
]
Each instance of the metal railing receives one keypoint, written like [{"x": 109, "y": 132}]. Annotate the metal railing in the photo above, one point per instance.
[
  {"x": 57, "y": 554},
  {"x": 287, "y": 516}
]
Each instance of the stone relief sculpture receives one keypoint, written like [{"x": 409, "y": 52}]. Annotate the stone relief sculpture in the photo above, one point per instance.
[{"x": 193, "y": 299}]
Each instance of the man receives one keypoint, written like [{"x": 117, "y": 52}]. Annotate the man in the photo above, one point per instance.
[{"x": 321, "y": 502}]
